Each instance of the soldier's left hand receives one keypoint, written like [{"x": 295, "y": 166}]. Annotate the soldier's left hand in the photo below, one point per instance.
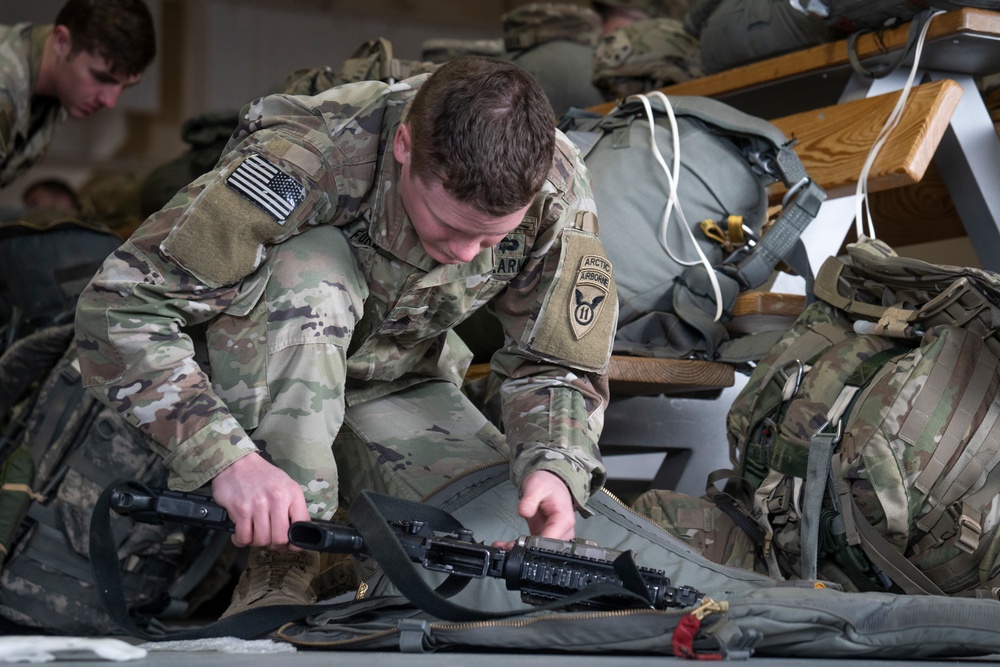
[{"x": 547, "y": 506}]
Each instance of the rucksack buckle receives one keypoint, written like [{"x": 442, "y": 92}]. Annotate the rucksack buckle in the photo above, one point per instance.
[{"x": 969, "y": 531}]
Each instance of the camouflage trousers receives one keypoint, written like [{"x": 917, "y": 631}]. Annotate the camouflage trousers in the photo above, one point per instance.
[{"x": 291, "y": 399}]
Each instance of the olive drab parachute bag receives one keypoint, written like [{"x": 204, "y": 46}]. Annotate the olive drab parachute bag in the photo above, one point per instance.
[
  {"x": 866, "y": 444},
  {"x": 736, "y": 613},
  {"x": 683, "y": 215},
  {"x": 739, "y": 32}
]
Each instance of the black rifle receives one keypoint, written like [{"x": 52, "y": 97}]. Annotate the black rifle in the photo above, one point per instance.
[{"x": 543, "y": 569}]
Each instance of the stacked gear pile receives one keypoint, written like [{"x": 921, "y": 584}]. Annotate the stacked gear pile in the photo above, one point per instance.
[
  {"x": 555, "y": 44},
  {"x": 60, "y": 448},
  {"x": 866, "y": 444},
  {"x": 644, "y": 56},
  {"x": 372, "y": 61}
]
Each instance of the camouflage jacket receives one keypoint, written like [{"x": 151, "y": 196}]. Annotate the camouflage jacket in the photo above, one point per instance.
[
  {"x": 185, "y": 266},
  {"x": 26, "y": 124}
]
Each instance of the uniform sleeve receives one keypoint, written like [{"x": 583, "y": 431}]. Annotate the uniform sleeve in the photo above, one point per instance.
[
  {"x": 8, "y": 110},
  {"x": 559, "y": 315},
  {"x": 184, "y": 266}
]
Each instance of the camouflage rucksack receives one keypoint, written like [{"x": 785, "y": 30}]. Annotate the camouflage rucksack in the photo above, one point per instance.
[
  {"x": 866, "y": 444},
  {"x": 644, "y": 56},
  {"x": 372, "y": 61},
  {"x": 59, "y": 449}
]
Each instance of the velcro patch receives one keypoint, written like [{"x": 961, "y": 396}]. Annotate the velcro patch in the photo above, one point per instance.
[
  {"x": 509, "y": 255},
  {"x": 576, "y": 324},
  {"x": 593, "y": 284},
  {"x": 268, "y": 187}
]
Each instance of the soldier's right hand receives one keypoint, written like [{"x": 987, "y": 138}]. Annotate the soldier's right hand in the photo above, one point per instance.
[{"x": 261, "y": 499}]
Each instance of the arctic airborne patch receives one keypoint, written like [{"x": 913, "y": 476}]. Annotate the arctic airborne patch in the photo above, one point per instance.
[
  {"x": 267, "y": 186},
  {"x": 593, "y": 284}
]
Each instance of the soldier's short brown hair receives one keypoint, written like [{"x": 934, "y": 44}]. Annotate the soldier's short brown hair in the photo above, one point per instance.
[
  {"x": 485, "y": 130},
  {"x": 121, "y": 31}
]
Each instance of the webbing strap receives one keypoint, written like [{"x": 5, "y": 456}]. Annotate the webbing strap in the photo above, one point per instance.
[
  {"x": 878, "y": 549},
  {"x": 107, "y": 579},
  {"x": 370, "y": 514},
  {"x": 916, "y": 25},
  {"x": 757, "y": 267},
  {"x": 976, "y": 390},
  {"x": 959, "y": 346}
]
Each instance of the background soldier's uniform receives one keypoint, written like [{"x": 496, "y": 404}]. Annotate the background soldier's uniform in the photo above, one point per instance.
[
  {"x": 26, "y": 125},
  {"x": 329, "y": 311},
  {"x": 555, "y": 44}
]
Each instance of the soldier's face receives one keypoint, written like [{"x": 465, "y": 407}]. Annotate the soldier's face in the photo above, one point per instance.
[
  {"x": 450, "y": 231},
  {"x": 84, "y": 80}
]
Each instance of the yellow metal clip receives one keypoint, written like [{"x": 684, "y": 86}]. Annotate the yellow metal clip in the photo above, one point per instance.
[{"x": 710, "y": 606}]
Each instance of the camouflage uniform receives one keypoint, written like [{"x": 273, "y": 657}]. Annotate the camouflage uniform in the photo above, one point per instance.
[
  {"x": 555, "y": 44},
  {"x": 673, "y": 9},
  {"x": 331, "y": 313},
  {"x": 26, "y": 124},
  {"x": 644, "y": 56}
]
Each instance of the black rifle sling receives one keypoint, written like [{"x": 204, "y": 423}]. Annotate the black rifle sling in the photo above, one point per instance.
[{"x": 370, "y": 514}]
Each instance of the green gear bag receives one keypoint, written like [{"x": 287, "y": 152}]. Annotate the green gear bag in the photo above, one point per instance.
[
  {"x": 736, "y": 619},
  {"x": 738, "y": 32},
  {"x": 866, "y": 444}
]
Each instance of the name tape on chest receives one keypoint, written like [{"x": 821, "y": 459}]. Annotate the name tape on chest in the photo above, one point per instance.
[{"x": 268, "y": 187}]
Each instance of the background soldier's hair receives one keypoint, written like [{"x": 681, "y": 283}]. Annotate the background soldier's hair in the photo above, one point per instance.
[
  {"x": 119, "y": 30},
  {"x": 485, "y": 130}
]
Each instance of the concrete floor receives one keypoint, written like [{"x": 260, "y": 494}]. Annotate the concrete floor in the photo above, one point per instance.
[{"x": 271, "y": 654}]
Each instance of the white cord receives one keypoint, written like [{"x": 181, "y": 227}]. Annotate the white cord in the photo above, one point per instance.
[
  {"x": 862, "y": 211},
  {"x": 673, "y": 200}
]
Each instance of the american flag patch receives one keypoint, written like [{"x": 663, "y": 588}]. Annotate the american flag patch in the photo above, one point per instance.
[{"x": 267, "y": 186}]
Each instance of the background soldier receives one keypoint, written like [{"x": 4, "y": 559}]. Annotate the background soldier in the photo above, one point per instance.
[{"x": 80, "y": 65}]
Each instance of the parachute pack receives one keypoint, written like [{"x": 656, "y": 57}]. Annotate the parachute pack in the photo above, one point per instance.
[{"x": 680, "y": 184}]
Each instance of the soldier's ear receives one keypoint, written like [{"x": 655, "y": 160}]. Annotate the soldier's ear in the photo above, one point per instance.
[
  {"x": 62, "y": 41},
  {"x": 402, "y": 144}
]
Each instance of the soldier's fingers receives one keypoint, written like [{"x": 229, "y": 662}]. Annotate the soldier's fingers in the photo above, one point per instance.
[
  {"x": 243, "y": 534},
  {"x": 261, "y": 530}
]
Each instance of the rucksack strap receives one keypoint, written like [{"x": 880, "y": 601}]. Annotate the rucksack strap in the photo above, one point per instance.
[
  {"x": 903, "y": 573},
  {"x": 916, "y": 25}
]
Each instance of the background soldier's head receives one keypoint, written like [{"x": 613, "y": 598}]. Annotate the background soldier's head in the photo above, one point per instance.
[{"x": 97, "y": 49}]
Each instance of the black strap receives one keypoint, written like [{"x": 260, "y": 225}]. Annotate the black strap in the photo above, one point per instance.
[
  {"x": 916, "y": 25},
  {"x": 880, "y": 551},
  {"x": 370, "y": 515}
]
